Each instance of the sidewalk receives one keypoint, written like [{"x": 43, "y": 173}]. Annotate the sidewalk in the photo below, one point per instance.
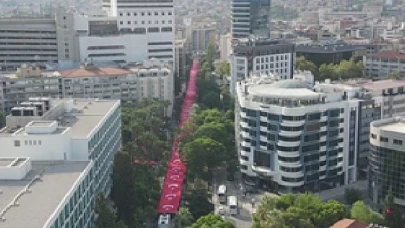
[{"x": 340, "y": 191}]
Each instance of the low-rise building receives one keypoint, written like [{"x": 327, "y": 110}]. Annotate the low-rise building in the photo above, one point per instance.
[
  {"x": 56, "y": 157},
  {"x": 382, "y": 64},
  {"x": 148, "y": 80}
]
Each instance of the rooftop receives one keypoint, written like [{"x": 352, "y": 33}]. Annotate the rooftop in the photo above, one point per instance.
[
  {"x": 383, "y": 84},
  {"x": 388, "y": 55},
  {"x": 84, "y": 116},
  {"x": 398, "y": 127},
  {"x": 36, "y": 207},
  {"x": 94, "y": 72},
  {"x": 348, "y": 223}
]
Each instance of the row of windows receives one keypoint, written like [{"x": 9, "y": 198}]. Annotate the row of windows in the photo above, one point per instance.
[
  {"x": 385, "y": 139},
  {"x": 128, "y": 14},
  {"x": 17, "y": 143},
  {"x": 146, "y": 22}
]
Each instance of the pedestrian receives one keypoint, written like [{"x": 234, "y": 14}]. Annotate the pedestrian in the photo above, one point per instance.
[{"x": 253, "y": 202}]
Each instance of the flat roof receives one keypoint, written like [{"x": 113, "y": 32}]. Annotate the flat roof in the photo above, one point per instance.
[
  {"x": 36, "y": 207},
  {"x": 383, "y": 84},
  {"x": 388, "y": 55},
  {"x": 92, "y": 72},
  {"x": 92, "y": 112},
  {"x": 398, "y": 127}
]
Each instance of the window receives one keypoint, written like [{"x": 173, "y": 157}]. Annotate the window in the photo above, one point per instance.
[
  {"x": 156, "y": 14},
  {"x": 170, "y": 13},
  {"x": 397, "y": 141},
  {"x": 143, "y": 14},
  {"x": 129, "y": 22},
  {"x": 121, "y": 14},
  {"x": 121, "y": 22},
  {"x": 383, "y": 139},
  {"x": 17, "y": 143}
]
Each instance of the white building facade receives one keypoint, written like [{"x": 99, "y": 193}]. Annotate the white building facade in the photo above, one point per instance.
[
  {"x": 292, "y": 136},
  {"x": 62, "y": 133},
  {"x": 261, "y": 57}
]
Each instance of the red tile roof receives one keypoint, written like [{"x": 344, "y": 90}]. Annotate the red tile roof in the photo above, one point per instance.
[
  {"x": 388, "y": 55},
  {"x": 348, "y": 223},
  {"x": 83, "y": 72}
]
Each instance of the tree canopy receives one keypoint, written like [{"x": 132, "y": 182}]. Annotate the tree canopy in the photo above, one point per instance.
[
  {"x": 304, "y": 210},
  {"x": 2, "y": 119},
  {"x": 212, "y": 221},
  {"x": 363, "y": 213},
  {"x": 352, "y": 195}
]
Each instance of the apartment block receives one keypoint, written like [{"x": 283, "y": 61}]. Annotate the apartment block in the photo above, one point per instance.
[
  {"x": 382, "y": 64},
  {"x": 56, "y": 156},
  {"x": 151, "y": 79},
  {"x": 294, "y": 136}
]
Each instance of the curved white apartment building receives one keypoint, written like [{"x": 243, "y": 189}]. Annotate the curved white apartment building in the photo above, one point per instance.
[{"x": 293, "y": 136}]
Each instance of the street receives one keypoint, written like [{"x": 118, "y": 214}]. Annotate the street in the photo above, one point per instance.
[{"x": 244, "y": 218}]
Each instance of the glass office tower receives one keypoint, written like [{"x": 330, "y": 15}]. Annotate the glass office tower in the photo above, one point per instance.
[{"x": 251, "y": 17}]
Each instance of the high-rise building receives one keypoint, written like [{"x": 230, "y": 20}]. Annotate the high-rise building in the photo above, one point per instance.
[
  {"x": 294, "y": 136},
  {"x": 387, "y": 158},
  {"x": 256, "y": 56},
  {"x": 56, "y": 157},
  {"x": 225, "y": 47},
  {"x": 250, "y": 17}
]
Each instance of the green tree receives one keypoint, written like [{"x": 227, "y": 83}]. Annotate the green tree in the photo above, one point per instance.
[
  {"x": 105, "y": 215},
  {"x": 352, "y": 195},
  {"x": 211, "y": 100},
  {"x": 123, "y": 187},
  {"x": 362, "y": 213},
  {"x": 329, "y": 213},
  {"x": 349, "y": 69},
  {"x": 223, "y": 68},
  {"x": 327, "y": 71},
  {"x": 303, "y": 64},
  {"x": 184, "y": 218},
  {"x": 392, "y": 214},
  {"x": 395, "y": 76},
  {"x": 268, "y": 219},
  {"x": 201, "y": 156},
  {"x": 212, "y": 221},
  {"x": 197, "y": 201},
  {"x": 2, "y": 119}
]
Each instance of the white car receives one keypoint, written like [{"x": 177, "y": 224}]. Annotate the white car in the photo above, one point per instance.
[{"x": 221, "y": 210}]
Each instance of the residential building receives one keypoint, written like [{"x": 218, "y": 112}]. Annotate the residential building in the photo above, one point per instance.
[
  {"x": 257, "y": 56},
  {"x": 382, "y": 64},
  {"x": 389, "y": 95},
  {"x": 387, "y": 156},
  {"x": 250, "y": 17},
  {"x": 57, "y": 155},
  {"x": 293, "y": 136},
  {"x": 327, "y": 52},
  {"x": 151, "y": 79}
]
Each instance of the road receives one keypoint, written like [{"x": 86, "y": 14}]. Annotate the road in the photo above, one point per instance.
[{"x": 244, "y": 218}]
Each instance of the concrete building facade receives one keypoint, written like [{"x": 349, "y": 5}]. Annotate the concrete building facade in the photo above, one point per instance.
[
  {"x": 293, "y": 136},
  {"x": 71, "y": 144},
  {"x": 382, "y": 64},
  {"x": 255, "y": 56}
]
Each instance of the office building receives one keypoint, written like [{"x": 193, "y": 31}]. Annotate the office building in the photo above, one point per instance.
[
  {"x": 256, "y": 56},
  {"x": 151, "y": 24},
  {"x": 250, "y": 18},
  {"x": 382, "y": 64},
  {"x": 133, "y": 33},
  {"x": 151, "y": 79},
  {"x": 387, "y": 158},
  {"x": 201, "y": 37},
  {"x": 56, "y": 157},
  {"x": 327, "y": 52},
  {"x": 294, "y": 136},
  {"x": 182, "y": 51}
]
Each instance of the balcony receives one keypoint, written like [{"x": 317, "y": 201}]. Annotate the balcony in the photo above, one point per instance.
[
  {"x": 262, "y": 170},
  {"x": 289, "y": 164},
  {"x": 291, "y": 123},
  {"x": 290, "y": 144},
  {"x": 290, "y": 133},
  {"x": 289, "y": 154}
]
